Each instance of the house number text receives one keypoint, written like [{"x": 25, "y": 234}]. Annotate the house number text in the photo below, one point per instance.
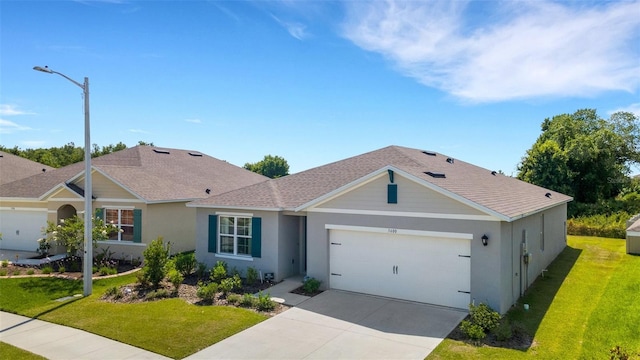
[{"x": 393, "y": 231}]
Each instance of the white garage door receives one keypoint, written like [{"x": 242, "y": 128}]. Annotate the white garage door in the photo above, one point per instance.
[
  {"x": 434, "y": 269},
  {"x": 21, "y": 229}
]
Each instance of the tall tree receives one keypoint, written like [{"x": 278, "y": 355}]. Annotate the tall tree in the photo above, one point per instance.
[
  {"x": 583, "y": 155},
  {"x": 271, "y": 166}
]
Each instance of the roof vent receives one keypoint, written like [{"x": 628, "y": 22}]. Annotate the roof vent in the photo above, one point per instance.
[
  {"x": 435, "y": 175},
  {"x": 493, "y": 173},
  {"x": 44, "y": 170},
  {"x": 450, "y": 160},
  {"x": 208, "y": 191},
  {"x": 159, "y": 151},
  {"x": 548, "y": 195},
  {"x": 195, "y": 154},
  {"x": 430, "y": 153}
]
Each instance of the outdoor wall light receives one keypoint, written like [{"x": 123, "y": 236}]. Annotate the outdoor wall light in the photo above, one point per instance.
[{"x": 485, "y": 240}]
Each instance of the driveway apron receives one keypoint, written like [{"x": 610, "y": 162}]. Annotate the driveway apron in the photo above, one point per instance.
[{"x": 342, "y": 325}]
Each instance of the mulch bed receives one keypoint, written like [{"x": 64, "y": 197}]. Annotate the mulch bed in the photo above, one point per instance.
[{"x": 519, "y": 341}]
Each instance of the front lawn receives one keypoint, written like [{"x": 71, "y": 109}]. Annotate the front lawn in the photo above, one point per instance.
[
  {"x": 171, "y": 327},
  {"x": 587, "y": 303},
  {"x": 11, "y": 352}
]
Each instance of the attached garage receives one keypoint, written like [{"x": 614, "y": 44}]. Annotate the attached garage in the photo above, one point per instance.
[
  {"x": 422, "y": 266},
  {"x": 21, "y": 229}
]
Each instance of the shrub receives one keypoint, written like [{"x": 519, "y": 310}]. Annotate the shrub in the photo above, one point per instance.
[
  {"x": 16, "y": 272},
  {"x": 3, "y": 272},
  {"x": 207, "y": 292},
  {"x": 114, "y": 292},
  {"x": 264, "y": 302},
  {"x": 311, "y": 285},
  {"x": 248, "y": 300},
  {"x": 157, "y": 294},
  {"x": 252, "y": 276},
  {"x": 30, "y": 272},
  {"x": 219, "y": 272},
  {"x": 176, "y": 279},
  {"x": 105, "y": 270},
  {"x": 156, "y": 256},
  {"x": 484, "y": 316},
  {"x": 185, "y": 263},
  {"x": 611, "y": 226},
  {"x": 201, "y": 270},
  {"x": 503, "y": 331},
  {"x": 5, "y": 263},
  {"x": 235, "y": 271},
  {"x": 229, "y": 284},
  {"x": 234, "y": 299},
  {"x": 47, "y": 270},
  {"x": 473, "y": 331},
  {"x": 61, "y": 269}
]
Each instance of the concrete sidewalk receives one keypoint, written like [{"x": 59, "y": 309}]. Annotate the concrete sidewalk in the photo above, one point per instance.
[{"x": 60, "y": 342}]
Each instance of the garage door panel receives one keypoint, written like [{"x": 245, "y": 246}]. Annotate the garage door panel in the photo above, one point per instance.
[
  {"x": 21, "y": 229},
  {"x": 416, "y": 268}
]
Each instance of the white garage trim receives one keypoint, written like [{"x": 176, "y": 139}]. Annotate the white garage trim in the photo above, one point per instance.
[
  {"x": 22, "y": 209},
  {"x": 439, "y": 234}
]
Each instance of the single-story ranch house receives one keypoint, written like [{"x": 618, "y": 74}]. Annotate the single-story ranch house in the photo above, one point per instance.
[
  {"x": 143, "y": 190},
  {"x": 396, "y": 222}
]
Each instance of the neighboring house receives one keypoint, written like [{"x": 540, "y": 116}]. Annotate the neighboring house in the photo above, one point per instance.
[
  {"x": 396, "y": 222},
  {"x": 13, "y": 167},
  {"x": 633, "y": 235},
  {"x": 142, "y": 190}
]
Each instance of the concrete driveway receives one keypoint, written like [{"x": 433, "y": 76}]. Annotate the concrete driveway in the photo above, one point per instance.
[{"x": 342, "y": 325}]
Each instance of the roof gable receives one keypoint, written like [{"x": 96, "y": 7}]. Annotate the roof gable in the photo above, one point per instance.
[
  {"x": 149, "y": 173},
  {"x": 494, "y": 194}
]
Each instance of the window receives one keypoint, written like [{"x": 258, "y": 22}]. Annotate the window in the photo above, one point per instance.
[
  {"x": 123, "y": 220},
  {"x": 235, "y": 235}
]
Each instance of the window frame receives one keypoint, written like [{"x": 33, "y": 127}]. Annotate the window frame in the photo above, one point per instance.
[
  {"x": 119, "y": 223},
  {"x": 235, "y": 235}
]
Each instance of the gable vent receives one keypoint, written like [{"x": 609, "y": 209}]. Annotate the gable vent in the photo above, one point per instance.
[
  {"x": 435, "y": 175},
  {"x": 430, "y": 153},
  {"x": 159, "y": 151},
  {"x": 450, "y": 160},
  {"x": 195, "y": 154}
]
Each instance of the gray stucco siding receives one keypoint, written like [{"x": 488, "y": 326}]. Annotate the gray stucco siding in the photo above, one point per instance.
[
  {"x": 484, "y": 267},
  {"x": 412, "y": 197},
  {"x": 267, "y": 262}
]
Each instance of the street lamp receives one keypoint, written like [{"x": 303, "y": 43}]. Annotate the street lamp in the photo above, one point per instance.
[{"x": 88, "y": 242}]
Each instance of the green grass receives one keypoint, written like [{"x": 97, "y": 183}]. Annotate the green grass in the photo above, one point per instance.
[
  {"x": 170, "y": 327},
  {"x": 585, "y": 305},
  {"x": 11, "y": 352}
]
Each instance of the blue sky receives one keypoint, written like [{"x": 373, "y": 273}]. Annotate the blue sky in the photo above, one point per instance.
[{"x": 314, "y": 81}]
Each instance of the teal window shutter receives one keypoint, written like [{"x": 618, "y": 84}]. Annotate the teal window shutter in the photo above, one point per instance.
[
  {"x": 256, "y": 237},
  {"x": 137, "y": 225},
  {"x": 213, "y": 233},
  {"x": 392, "y": 193},
  {"x": 100, "y": 213}
]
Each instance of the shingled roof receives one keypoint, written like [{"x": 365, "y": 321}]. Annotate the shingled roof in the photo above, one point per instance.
[
  {"x": 152, "y": 174},
  {"x": 13, "y": 167},
  {"x": 502, "y": 196}
]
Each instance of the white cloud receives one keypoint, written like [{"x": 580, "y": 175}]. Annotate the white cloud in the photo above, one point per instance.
[
  {"x": 509, "y": 50},
  {"x": 633, "y": 108},
  {"x": 138, "y": 131},
  {"x": 295, "y": 29},
  {"x": 194, "y": 121},
  {"x": 9, "y": 127},
  {"x": 12, "y": 110}
]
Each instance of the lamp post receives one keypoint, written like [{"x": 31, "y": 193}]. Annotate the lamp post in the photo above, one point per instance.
[{"x": 88, "y": 241}]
